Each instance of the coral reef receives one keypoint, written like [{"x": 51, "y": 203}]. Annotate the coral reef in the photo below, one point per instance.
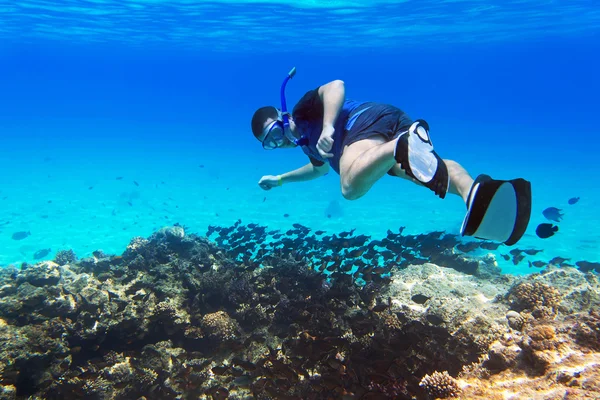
[
  {"x": 63, "y": 257},
  {"x": 538, "y": 298},
  {"x": 440, "y": 385},
  {"x": 181, "y": 316}
]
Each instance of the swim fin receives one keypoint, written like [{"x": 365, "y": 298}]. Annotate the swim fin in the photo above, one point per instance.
[
  {"x": 498, "y": 210},
  {"x": 414, "y": 152}
]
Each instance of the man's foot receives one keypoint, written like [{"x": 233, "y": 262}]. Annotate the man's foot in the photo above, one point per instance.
[
  {"x": 414, "y": 152},
  {"x": 497, "y": 210}
]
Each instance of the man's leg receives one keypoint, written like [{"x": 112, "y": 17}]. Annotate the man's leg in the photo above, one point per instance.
[
  {"x": 364, "y": 162},
  {"x": 498, "y": 210},
  {"x": 460, "y": 180}
]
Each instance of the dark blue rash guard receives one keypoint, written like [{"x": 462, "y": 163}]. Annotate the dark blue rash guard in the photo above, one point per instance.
[{"x": 308, "y": 116}]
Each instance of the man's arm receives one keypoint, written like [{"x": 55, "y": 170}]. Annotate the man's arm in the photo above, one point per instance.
[
  {"x": 333, "y": 95},
  {"x": 305, "y": 173}
]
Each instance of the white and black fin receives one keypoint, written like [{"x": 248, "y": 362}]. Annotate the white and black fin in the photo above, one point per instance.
[
  {"x": 414, "y": 152},
  {"x": 498, "y": 210}
]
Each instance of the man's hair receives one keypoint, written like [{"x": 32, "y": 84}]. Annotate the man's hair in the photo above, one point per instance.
[{"x": 259, "y": 118}]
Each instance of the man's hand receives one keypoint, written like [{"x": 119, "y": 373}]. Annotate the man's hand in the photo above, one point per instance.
[
  {"x": 325, "y": 142},
  {"x": 268, "y": 182}
]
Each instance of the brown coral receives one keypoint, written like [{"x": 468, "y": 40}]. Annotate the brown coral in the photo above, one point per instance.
[
  {"x": 137, "y": 243},
  {"x": 542, "y": 332},
  {"x": 440, "y": 385},
  {"x": 539, "y": 345},
  {"x": 541, "y": 299},
  {"x": 587, "y": 330},
  {"x": 220, "y": 325}
]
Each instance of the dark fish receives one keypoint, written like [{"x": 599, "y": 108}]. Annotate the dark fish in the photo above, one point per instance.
[
  {"x": 532, "y": 252},
  {"x": 468, "y": 247},
  {"x": 573, "y": 200},
  {"x": 41, "y": 254},
  {"x": 136, "y": 184},
  {"x": 553, "y": 214},
  {"x": 90, "y": 188},
  {"x": 545, "y": 230},
  {"x": 505, "y": 256},
  {"x": 434, "y": 319},
  {"x": 201, "y": 165},
  {"x": 248, "y": 366},
  {"x": 357, "y": 252},
  {"x": 489, "y": 245},
  {"x": 517, "y": 258},
  {"x": 219, "y": 370},
  {"x": 264, "y": 199},
  {"x": 380, "y": 307},
  {"x": 98, "y": 254},
  {"x": 20, "y": 235},
  {"x": 420, "y": 298},
  {"x": 286, "y": 215},
  {"x": 119, "y": 178},
  {"x": 539, "y": 264},
  {"x": 586, "y": 266},
  {"x": 558, "y": 260}
]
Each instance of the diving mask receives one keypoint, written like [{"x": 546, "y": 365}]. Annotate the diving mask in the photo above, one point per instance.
[{"x": 275, "y": 135}]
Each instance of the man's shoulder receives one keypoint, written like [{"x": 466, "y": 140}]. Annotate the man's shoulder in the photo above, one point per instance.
[
  {"x": 309, "y": 95},
  {"x": 308, "y": 104}
]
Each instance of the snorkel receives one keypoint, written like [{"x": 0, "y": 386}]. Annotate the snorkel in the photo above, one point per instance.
[
  {"x": 285, "y": 115},
  {"x": 286, "y": 122}
]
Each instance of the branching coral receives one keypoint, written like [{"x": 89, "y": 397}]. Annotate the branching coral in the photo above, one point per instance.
[
  {"x": 220, "y": 326},
  {"x": 440, "y": 385},
  {"x": 541, "y": 299}
]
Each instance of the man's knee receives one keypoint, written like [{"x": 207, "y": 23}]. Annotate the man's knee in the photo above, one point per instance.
[{"x": 349, "y": 191}]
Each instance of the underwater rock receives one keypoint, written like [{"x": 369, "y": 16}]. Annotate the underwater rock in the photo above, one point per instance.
[
  {"x": 8, "y": 392},
  {"x": 516, "y": 320},
  {"x": 501, "y": 356},
  {"x": 43, "y": 274},
  {"x": 171, "y": 233}
]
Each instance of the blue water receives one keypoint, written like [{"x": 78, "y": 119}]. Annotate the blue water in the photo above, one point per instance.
[{"x": 162, "y": 93}]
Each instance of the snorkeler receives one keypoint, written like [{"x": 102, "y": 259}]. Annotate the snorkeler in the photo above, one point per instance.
[{"x": 363, "y": 141}]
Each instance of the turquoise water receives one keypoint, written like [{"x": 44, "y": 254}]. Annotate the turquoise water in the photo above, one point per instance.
[{"x": 162, "y": 93}]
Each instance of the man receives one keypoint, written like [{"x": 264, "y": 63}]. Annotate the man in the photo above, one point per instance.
[{"x": 363, "y": 141}]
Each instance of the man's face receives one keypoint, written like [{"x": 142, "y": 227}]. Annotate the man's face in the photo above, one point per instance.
[{"x": 272, "y": 136}]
